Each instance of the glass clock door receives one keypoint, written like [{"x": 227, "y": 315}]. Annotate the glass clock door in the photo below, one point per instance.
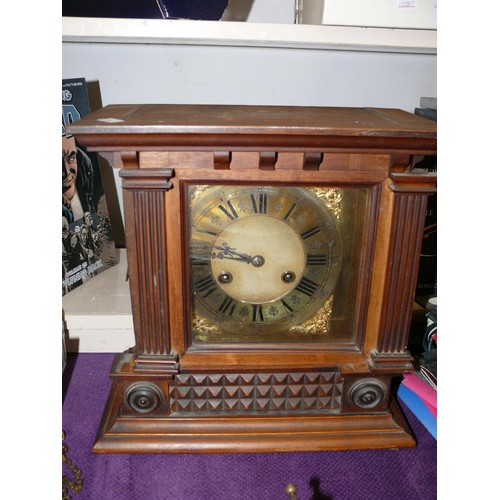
[{"x": 276, "y": 264}]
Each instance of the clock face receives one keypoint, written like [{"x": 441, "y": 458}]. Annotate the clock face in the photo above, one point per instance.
[{"x": 263, "y": 261}]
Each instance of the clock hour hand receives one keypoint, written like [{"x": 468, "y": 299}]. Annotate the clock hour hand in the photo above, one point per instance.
[{"x": 230, "y": 253}]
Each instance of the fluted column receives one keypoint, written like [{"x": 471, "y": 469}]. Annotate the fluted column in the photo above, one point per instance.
[
  {"x": 410, "y": 192},
  {"x": 146, "y": 234}
]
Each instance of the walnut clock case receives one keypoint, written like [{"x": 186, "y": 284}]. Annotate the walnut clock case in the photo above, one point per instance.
[{"x": 273, "y": 255}]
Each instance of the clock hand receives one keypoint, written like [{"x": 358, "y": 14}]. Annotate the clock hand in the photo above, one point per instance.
[
  {"x": 231, "y": 253},
  {"x": 221, "y": 255}
]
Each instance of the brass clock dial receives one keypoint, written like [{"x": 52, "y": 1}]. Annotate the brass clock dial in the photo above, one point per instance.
[{"x": 262, "y": 259}]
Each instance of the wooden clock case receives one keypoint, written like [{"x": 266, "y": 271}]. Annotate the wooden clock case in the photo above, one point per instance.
[{"x": 168, "y": 394}]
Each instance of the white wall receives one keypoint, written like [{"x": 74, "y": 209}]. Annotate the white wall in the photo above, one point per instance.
[
  {"x": 139, "y": 73},
  {"x": 170, "y": 73}
]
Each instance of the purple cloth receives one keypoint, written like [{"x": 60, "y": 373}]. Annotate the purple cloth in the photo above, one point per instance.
[{"x": 407, "y": 474}]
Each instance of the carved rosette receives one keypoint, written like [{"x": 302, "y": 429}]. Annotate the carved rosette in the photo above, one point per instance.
[
  {"x": 144, "y": 397},
  {"x": 367, "y": 393}
]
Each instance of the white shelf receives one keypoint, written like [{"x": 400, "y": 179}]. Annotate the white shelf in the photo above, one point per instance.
[
  {"x": 98, "y": 313},
  {"x": 186, "y": 32}
]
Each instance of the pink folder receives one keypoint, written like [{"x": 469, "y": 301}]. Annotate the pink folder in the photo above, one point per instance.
[{"x": 426, "y": 393}]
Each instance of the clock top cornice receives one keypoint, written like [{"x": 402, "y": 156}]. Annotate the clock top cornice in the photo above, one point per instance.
[{"x": 240, "y": 127}]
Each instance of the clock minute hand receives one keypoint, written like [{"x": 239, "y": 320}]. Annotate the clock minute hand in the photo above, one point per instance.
[
  {"x": 230, "y": 253},
  {"x": 221, "y": 255}
]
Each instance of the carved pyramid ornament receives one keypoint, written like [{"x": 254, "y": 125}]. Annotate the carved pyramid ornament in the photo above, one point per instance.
[
  {"x": 280, "y": 392},
  {"x": 273, "y": 255}
]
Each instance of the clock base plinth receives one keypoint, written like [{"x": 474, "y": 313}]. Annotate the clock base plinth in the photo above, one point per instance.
[{"x": 123, "y": 432}]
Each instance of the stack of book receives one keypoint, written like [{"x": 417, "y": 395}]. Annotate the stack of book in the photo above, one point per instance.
[
  {"x": 428, "y": 108},
  {"x": 418, "y": 391}
]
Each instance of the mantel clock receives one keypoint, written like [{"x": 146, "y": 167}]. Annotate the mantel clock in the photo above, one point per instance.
[{"x": 273, "y": 255}]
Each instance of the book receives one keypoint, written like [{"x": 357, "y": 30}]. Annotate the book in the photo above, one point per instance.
[
  {"x": 420, "y": 396},
  {"x": 429, "y": 103},
  {"x": 431, "y": 114},
  {"x": 88, "y": 247},
  {"x": 423, "y": 390},
  {"x": 418, "y": 407}
]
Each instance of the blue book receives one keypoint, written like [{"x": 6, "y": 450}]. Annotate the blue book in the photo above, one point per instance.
[{"x": 417, "y": 406}]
